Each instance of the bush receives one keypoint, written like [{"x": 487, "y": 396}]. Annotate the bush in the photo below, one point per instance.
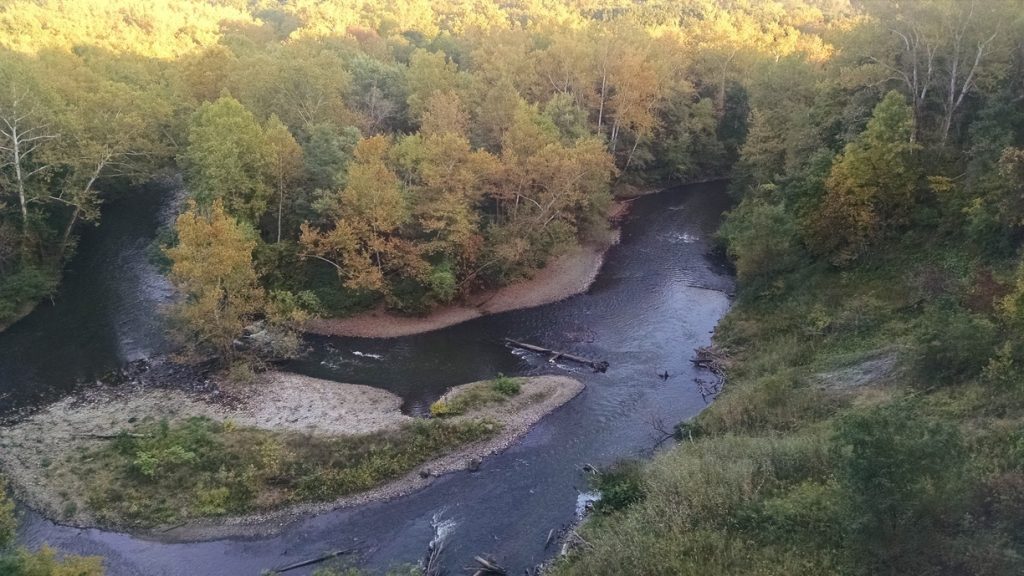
[
  {"x": 481, "y": 394},
  {"x": 21, "y": 562},
  {"x": 953, "y": 344},
  {"x": 505, "y": 386},
  {"x": 686, "y": 522},
  {"x": 7, "y": 522},
  {"x": 902, "y": 476},
  {"x": 23, "y": 287},
  {"x": 620, "y": 485},
  {"x": 810, "y": 513},
  {"x": 775, "y": 401},
  {"x": 442, "y": 409}
]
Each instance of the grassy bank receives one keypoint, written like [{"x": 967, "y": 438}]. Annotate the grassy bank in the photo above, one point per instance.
[
  {"x": 477, "y": 395},
  {"x": 283, "y": 446},
  {"x": 22, "y": 289},
  {"x": 870, "y": 425},
  {"x": 159, "y": 473},
  {"x": 18, "y": 561}
]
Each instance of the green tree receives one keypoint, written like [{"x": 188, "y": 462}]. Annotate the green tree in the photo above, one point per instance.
[
  {"x": 761, "y": 237},
  {"x": 227, "y": 158},
  {"x": 871, "y": 189},
  {"x": 327, "y": 154},
  {"x": 429, "y": 72},
  {"x": 212, "y": 269},
  {"x": 363, "y": 242}
]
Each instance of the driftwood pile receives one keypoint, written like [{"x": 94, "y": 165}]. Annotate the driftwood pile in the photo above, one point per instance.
[
  {"x": 712, "y": 360},
  {"x": 597, "y": 365}
]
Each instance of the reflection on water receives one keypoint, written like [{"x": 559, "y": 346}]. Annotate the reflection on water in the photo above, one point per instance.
[{"x": 656, "y": 299}]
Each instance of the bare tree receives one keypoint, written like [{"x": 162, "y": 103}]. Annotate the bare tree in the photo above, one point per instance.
[
  {"x": 940, "y": 50},
  {"x": 22, "y": 133},
  {"x": 968, "y": 51}
]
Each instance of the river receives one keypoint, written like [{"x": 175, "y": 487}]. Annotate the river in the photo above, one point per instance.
[{"x": 657, "y": 297}]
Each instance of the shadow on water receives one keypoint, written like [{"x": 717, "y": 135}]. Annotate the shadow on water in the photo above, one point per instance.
[
  {"x": 657, "y": 298},
  {"x": 106, "y": 312}
]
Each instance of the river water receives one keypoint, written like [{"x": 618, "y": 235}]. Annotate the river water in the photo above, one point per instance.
[{"x": 657, "y": 297}]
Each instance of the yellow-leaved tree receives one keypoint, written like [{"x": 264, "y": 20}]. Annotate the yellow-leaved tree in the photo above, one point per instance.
[{"x": 213, "y": 272}]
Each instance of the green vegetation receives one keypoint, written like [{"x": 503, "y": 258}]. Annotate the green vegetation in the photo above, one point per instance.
[
  {"x": 407, "y": 153},
  {"x": 620, "y": 486},
  {"x": 376, "y": 153},
  {"x": 873, "y": 412},
  {"x": 492, "y": 392},
  {"x": 22, "y": 562},
  {"x": 161, "y": 473}
]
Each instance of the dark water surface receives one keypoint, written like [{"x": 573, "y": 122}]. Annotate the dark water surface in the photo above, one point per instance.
[
  {"x": 656, "y": 299},
  {"x": 106, "y": 312}
]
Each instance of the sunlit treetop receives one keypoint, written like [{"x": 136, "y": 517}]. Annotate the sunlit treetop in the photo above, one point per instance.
[{"x": 171, "y": 28}]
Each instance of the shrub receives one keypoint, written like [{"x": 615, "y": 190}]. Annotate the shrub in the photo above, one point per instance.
[
  {"x": 442, "y": 409},
  {"x": 505, "y": 386},
  {"x": 165, "y": 472},
  {"x": 7, "y": 521},
  {"x": 21, "y": 562},
  {"x": 810, "y": 513},
  {"x": 26, "y": 285},
  {"x": 494, "y": 392},
  {"x": 620, "y": 485},
  {"x": 901, "y": 475},
  {"x": 953, "y": 344}
]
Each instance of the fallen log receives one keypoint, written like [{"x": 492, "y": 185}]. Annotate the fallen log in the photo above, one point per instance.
[
  {"x": 489, "y": 567},
  {"x": 312, "y": 561},
  {"x": 597, "y": 365}
]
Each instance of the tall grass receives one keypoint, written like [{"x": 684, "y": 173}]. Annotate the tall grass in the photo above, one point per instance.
[
  {"x": 867, "y": 426},
  {"x": 161, "y": 473}
]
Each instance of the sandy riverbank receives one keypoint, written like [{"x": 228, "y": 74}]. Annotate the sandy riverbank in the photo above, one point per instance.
[
  {"x": 35, "y": 452},
  {"x": 568, "y": 274}
]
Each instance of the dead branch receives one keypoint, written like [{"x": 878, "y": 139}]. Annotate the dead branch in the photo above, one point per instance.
[
  {"x": 489, "y": 567},
  {"x": 597, "y": 365},
  {"x": 316, "y": 560}
]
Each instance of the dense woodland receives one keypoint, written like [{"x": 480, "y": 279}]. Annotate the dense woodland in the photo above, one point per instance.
[
  {"x": 404, "y": 153},
  {"x": 341, "y": 154}
]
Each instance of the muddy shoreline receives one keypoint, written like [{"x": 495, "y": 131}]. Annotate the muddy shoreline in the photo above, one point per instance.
[{"x": 33, "y": 450}]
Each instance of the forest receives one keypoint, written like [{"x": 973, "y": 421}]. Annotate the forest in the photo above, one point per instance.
[
  {"x": 370, "y": 153},
  {"x": 344, "y": 155}
]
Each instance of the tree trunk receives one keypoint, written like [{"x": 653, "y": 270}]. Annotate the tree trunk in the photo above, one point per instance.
[{"x": 280, "y": 210}]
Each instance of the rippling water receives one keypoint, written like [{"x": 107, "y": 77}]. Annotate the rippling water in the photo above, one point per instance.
[{"x": 656, "y": 299}]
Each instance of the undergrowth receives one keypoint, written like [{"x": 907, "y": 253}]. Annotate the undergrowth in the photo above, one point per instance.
[
  {"x": 868, "y": 426},
  {"x": 482, "y": 394},
  {"x": 163, "y": 473}
]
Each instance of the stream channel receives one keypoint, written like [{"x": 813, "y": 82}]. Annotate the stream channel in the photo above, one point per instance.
[{"x": 658, "y": 296}]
